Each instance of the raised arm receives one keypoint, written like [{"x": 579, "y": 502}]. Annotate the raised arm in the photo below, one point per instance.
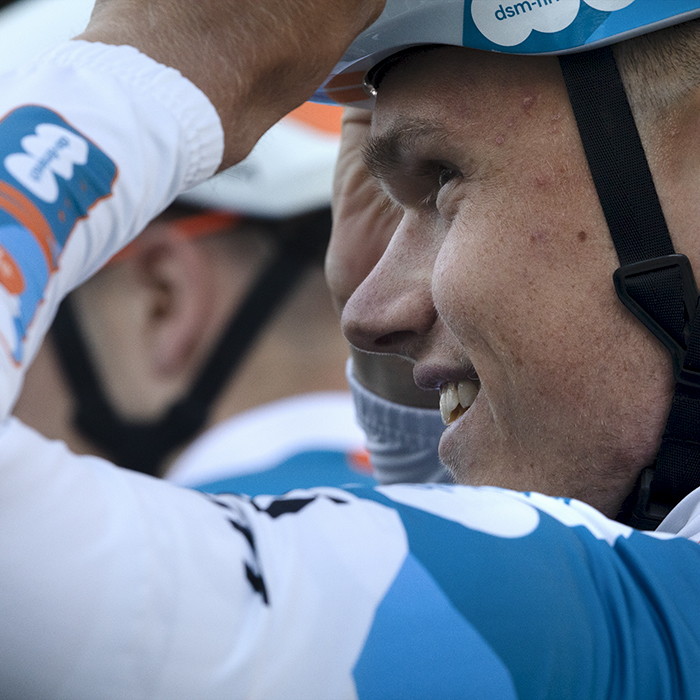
[
  {"x": 256, "y": 61},
  {"x": 117, "y": 136}
]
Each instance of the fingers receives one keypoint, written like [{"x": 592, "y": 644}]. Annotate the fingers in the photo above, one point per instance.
[{"x": 364, "y": 219}]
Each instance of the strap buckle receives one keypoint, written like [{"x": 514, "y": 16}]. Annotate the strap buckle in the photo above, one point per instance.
[{"x": 622, "y": 277}]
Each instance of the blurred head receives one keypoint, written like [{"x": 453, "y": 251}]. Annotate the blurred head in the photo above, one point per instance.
[
  {"x": 498, "y": 282},
  {"x": 207, "y": 313}
]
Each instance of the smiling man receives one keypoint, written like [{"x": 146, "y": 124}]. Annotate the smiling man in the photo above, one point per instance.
[
  {"x": 494, "y": 283},
  {"x": 497, "y": 283}
]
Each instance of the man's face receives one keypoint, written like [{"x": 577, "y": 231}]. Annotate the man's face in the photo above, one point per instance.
[{"x": 501, "y": 269}]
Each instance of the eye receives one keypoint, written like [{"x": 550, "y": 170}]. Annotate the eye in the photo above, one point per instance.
[
  {"x": 419, "y": 184},
  {"x": 446, "y": 197},
  {"x": 446, "y": 174}
]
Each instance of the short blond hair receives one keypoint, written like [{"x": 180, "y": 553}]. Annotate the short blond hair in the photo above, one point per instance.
[{"x": 660, "y": 69}]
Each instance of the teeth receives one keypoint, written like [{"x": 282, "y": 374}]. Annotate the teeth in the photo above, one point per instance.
[
  {"x": 455, "y": 399},
  {"x": 467, "y": 392},
  {"x": 449, "y": 400}
]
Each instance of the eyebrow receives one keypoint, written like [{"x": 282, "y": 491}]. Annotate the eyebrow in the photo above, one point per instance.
[{"x": 385, "y": 154}]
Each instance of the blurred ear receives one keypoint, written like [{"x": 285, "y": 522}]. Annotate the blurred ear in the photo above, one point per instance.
[{"x": 180, "y": 289}]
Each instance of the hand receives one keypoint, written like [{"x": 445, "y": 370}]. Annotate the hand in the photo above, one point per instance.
[
  {"x": 364, "y": 221},
  {"x": 364, "y": 218},
  {"x": 256, "y": 60}
]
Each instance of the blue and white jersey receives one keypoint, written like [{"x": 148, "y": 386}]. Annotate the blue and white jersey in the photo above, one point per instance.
[
  {"x": 300, "y": 441},
  {"x": 117, "y": 585}
]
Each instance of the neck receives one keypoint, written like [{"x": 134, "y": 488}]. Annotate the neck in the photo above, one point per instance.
[{"x": 302, "y": 350}]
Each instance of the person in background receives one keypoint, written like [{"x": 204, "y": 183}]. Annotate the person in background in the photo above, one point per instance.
[{"x": 208, "y": 351}]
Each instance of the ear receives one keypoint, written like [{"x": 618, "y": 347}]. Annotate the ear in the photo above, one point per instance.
[{"x": 176, "y": 275}]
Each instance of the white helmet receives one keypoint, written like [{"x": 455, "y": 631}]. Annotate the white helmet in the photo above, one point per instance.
[
  {"x": 286, "y": 180},
  {"x": 288, "y": 173},
  {"x": 527, "y": 27}
]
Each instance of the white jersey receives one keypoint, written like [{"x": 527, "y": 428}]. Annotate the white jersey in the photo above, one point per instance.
[
  {"x": 117, "y": 585},
  {"x": 297, "y": 442}
]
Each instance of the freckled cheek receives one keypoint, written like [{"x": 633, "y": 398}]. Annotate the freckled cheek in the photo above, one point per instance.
[
  {"x": 471, "y": 290},
  {"x": 504, "y": 303}
]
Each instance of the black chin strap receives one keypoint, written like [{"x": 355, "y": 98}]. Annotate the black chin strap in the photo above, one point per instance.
[
  {"x": 142, "y": 446},
  {"x": 654, "y": 283}
]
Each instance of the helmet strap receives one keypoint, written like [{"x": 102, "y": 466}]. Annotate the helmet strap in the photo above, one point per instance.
[
  {"x": 655, "y": 284},
  {"x": 142, "y": 445}
]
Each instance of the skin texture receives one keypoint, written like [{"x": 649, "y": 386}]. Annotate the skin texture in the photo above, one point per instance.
[
  {"x": 502, "y": 266},
  {"x": 255, "y": 60}
]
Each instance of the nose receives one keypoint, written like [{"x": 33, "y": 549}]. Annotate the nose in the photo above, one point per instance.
[{"x": 392, "y": 310}]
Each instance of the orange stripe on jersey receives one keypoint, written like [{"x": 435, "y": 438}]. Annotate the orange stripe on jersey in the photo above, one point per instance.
[
  {"x": 10, "y": 275},
  {"x": 21, "y": 208},
  {"x": 360, "y": 461}
]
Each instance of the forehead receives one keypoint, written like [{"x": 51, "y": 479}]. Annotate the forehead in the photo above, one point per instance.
[{"x": 454, "y": 88}]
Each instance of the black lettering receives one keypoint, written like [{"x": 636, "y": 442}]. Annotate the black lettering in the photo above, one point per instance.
[
  {"x": 287, "y": 505},
  {"x": 284, "y": 506},
  {"x": 257, "y": 583},
  {"x": 246, "y": 532}
]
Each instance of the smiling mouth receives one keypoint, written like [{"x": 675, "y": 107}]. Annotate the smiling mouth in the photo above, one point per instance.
[{"x": 456, "y": 398}]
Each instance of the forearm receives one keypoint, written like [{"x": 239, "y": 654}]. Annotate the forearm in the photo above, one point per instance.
[{"x": 256, "y": 61}]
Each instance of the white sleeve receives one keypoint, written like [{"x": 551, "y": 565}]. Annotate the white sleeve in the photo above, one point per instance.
[
  {"x": 115, "y": 585},
  {"x": 95, "y": 141},
  {"x": 118, "y": 585},
  {"x": 112, "y": 584}
]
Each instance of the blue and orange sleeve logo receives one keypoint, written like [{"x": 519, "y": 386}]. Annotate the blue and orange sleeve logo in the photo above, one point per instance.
[{"x": 50, "y": 177}]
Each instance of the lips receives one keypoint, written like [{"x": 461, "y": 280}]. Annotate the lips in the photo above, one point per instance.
[{"x": 456, "y": 398}]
